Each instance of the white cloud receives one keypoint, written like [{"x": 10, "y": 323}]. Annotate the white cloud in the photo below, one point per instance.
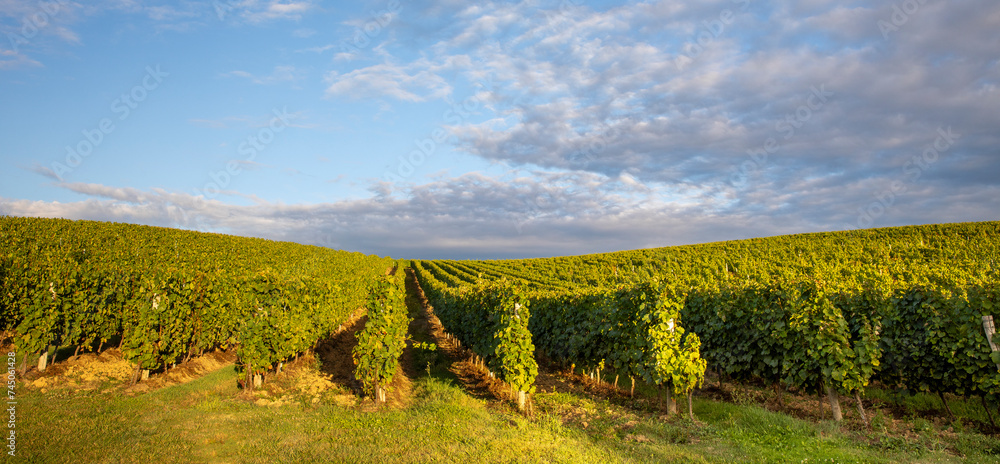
[
  {"x": 415, "y": 83},
  {"x": 535, "y": 213},
  {"x": 278, "y": 75},
  {"x": 44, "y": 171},
  {"x": 28, "y": 28},
  {"x": 9, "y": 59},
  {"x": 318, "y": 49},
  {"x": 168, "y": 13},
  {"x": 276, "y": 10},
  {"x": 519, "y": 214},
  {"x": 565, "y": 78},
  {"x": 621, "y": 136}
]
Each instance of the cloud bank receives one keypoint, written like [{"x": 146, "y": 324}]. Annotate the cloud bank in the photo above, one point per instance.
[{"x": 645, "y": 124}]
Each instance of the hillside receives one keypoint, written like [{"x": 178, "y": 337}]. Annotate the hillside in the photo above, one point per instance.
[{"x": 214, "y": 348}]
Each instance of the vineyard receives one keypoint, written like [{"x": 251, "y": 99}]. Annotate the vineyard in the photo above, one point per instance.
[
  {"x": 165, "y": 295},
  {"x": 833, "y": 315},
  {"x": 911, "y": 307}
]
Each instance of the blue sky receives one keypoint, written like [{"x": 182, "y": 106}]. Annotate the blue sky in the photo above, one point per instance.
[{"x": 449, "y": 130}]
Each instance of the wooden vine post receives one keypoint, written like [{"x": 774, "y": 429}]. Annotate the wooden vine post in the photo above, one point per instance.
[
  {"x": 43, "y": 361},
  {"x": 990, "y": 329},
  {"x": 834, "y": 399},
  {"x": 671, "y": 404}
]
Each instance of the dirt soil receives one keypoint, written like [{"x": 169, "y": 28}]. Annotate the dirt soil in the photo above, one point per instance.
[
  {"x": 89, "y": 371},
  {"x": 108, "y": 370},
  {"x": 334, "y": 379},
  {"x": 299, "y": 381},
  {"x": 466, "y": 366},
  {"x": 335, "y": 352}
]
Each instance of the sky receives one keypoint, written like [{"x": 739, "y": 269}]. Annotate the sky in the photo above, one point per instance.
[{"x": 446, "y": 129}]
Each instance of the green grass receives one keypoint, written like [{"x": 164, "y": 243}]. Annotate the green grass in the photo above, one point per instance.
[{"x": 206, "y": 421}]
